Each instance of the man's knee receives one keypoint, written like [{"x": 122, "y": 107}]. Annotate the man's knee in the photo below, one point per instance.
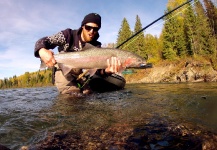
[{"x": 64, "y": 85}]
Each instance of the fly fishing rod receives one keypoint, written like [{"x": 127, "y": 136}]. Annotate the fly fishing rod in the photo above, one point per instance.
[{"x": 153, "y": 23}]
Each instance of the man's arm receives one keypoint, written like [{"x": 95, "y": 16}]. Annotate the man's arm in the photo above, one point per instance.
[
  {"x": 44, "y": 42},
  {"x": 43, "y": 45}
]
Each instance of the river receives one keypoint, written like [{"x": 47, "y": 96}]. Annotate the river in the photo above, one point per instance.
[{"x": 142, "y": 116}]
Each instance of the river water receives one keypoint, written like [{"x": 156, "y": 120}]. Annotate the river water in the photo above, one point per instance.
[{"x": 142, "y": 116}]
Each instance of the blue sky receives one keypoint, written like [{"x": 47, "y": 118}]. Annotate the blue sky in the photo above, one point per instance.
[{"x": 23, "y": 22}]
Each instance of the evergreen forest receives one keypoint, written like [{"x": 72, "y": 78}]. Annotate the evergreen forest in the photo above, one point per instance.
[{"x": 189, "y": 32}]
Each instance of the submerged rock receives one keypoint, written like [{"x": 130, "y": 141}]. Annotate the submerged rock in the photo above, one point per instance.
[{"x": 152, "y": 135}]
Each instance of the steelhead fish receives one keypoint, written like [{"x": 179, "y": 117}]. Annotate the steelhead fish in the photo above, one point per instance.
[{"x": 92, "y": 57}]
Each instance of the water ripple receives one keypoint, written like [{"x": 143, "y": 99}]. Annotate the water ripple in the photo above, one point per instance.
[{"x": 30, "y": 115}]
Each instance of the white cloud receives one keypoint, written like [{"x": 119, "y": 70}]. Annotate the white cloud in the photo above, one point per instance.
[
  {"x": 16, "y": 58},
  {"x": 23, "y": 22}
]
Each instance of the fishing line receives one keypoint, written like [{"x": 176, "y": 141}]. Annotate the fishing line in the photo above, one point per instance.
[
  {"x": 184, "y": 9},
  {"x": 156, "y": 21},
  {"x": 139, "y": 34}
]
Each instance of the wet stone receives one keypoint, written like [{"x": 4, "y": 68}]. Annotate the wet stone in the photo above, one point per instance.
[{"x": 146, "y": 136}]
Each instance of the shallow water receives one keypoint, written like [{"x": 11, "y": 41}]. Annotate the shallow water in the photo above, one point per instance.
[{"x": 148, "y": 116}]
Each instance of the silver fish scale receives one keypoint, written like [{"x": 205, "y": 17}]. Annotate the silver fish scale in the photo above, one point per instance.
[{"x": 97, "y": 58}]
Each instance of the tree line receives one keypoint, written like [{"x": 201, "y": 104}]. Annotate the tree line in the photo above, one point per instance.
[
  {"x": 188, "y": 32},
  {"x": 33, "y": 79}
]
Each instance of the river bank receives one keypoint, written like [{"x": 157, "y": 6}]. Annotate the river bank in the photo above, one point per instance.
[{"x": 175, "y": 72}]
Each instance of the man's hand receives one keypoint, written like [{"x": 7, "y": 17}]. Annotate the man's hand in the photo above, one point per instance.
[
  {"x": 114, "y": 65},
  {"x": 47, "y": 57}
]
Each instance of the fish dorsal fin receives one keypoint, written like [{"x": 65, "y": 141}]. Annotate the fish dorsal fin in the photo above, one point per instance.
[{"x": 88, "y": 46}]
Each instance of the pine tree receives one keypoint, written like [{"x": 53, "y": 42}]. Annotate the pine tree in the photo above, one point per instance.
[
  {"x": 189, "y": 29},
  {"x": 179, "y": 42},
  {"x": 211, "y": 12},
  {"x": 204, "y": 39},
  {"x": 123, "y": 34},
  {"x": 168, "y": 52},
  {"x": 174, "y": 37},
  {"x": 152, "y": 46},
  {"x": 138, "y": 40}
]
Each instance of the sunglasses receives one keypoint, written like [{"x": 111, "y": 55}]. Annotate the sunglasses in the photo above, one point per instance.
[{"x": 88, "y": 28}]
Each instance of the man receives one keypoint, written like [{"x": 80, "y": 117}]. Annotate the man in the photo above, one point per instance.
[{"x": 70, "y": 40}]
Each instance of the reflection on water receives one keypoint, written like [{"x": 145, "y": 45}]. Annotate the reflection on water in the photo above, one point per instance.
[{"x": 149, "y": 116}]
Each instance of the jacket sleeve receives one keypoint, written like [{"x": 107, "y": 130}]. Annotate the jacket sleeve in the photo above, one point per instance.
[{"x": 61, "y": 39}]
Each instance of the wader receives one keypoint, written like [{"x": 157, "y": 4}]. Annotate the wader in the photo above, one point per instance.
[{"x": 68, "y": 84}]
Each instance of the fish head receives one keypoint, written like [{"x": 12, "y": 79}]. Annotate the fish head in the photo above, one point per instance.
[{"x": 134, "y": 62}]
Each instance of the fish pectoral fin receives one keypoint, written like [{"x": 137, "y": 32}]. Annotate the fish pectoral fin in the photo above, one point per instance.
[
  {"x": 121, "y": 69},
  {"x": 92, "y": 72},
  {"x": 65, "y": 68}
]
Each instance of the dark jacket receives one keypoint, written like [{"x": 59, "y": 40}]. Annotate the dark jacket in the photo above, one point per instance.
[{"x": 66, "y": 40}]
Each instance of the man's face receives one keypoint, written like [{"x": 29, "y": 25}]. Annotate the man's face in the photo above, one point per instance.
[{"x": 89, "y": 31}]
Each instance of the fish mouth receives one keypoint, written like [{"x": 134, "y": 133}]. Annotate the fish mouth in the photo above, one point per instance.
[
  {"x": 145, "y": 65},
  {"x": 142, "y": 65}
]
